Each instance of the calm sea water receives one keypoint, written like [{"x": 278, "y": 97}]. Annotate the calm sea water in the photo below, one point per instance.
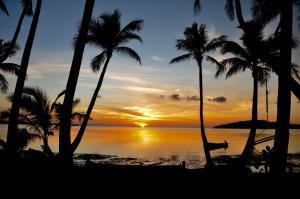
[{"x": 162, "y": 144}]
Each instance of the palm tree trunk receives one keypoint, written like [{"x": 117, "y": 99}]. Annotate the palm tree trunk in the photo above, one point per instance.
[
  {"x": 294, "y": 87},
  {"x": 14, "y": 115},
  {"x": 65, "y": 123},
  {"x": 284, "y": 95},
  {"x": 14, "y": 40},
  {"x": 239, "y": 13},
  {"x": 209, "y": 161},
  {"x": 79, "y": 136},
  {"x": 251, "y": 138}
]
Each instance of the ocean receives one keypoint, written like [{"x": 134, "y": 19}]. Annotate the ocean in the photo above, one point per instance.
[{"x": 131, "y": 145}]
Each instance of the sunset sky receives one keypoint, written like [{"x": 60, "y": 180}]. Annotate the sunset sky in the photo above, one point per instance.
[{"x": 156, "y": 93}]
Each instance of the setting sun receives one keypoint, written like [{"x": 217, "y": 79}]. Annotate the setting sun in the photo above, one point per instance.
[{"x": 141, "y": 124}]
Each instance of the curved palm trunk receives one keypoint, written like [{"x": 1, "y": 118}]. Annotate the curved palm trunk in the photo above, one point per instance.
[
  {"x": 79, "y": 136},
  {"x": 294, "y": 87},
  {"x": 65, "y": 123},
  {"x": 284, "y": 95},
  {"x": 239, "y": 13},
  {"x": 251, "y": 138},
  {"x": 209, "y": 161},
  {"x": 46, "y": 148},
  {"x": 14, "y": 40},
  {"x": 14, "y": 115}
]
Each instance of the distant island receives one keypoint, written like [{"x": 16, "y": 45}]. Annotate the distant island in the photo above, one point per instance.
[{"x": 261, "y": 124}]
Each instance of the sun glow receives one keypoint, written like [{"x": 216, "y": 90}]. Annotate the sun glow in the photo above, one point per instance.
[{"x": 141, "y": 124}]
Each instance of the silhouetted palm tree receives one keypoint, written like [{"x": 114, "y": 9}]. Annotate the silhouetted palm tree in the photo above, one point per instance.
[
  {"x": 3, "y": 7},
  {"x": 252, "y": 56},
  {"x": 265, "y": 11},
  {"x": 27, "y": 10},
  {"x": 197, "y": 45},
  {"x": 24, "y": 137},
  {"x": 65, "y": 127},
  {"x": 7, "y": 67},
  {"x": 40, "y": 115},
  {"x": 106, "y": 33},
  {"x": 13, "y": 119}
]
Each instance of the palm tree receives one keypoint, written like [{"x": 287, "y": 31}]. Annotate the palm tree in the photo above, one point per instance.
[
  {"x": 7, "y": 67},
  {"x": 3, "y": 7},
  {"x": 65, "y": 127},
  {"x": 105, "y": 32},
  {"x": 265, "y": 11},
  {"x": 40, "y": 115},
  {"x": 252, "y": 56},
  {"x": 13, "y": 119},
  {"x": 24, "y": 138},
  {"x": 27, "y": 11},
  {"x": 197, "y": 45}
]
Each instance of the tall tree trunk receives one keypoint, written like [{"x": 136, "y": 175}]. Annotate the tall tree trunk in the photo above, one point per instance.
[
  {"x": 284, "y": 95},
  {"x": 251, "y": 138},
  {"x": 239, "y": 13},
  {"x": 209, "y": 161},
  {"x": 294, "y": 86},
  {"x": 78, "y": 138},
  {"x": 14, "y": 40},
  {"x": 14, "y": 114},
  {"x": 65, "y": 123}
]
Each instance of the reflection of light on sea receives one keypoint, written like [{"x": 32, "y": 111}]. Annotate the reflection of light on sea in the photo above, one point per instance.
[{"x": 145, "y": 136}]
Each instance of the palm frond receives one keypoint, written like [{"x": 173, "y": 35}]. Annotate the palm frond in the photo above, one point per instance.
[
  {"x": 3, "y": 84},
  {"x": 215, "y": 43},
  {"x": 234, "y": 48},
  {"x": 134, "y": 25},
  {"x": 229, "y": 9},
  {"x": 58, "y": 96},
  {"x": 126, "y": 37},
  {"x": 265, "y": 11},
  {"x": 77, "y": 116},
  {"x": 3, "y": 7},
  {"x": 10, "y": 68},
  {"x": 234, "y": 65},
  {"x": 25, "y": 137},
  {"x": 98, "y": 61},
  {"x": 295, "y": 71},
  {"x": 185, "y": 45},
  {"x": 197, "y": 6},
  {"x": 4, "y": 46},
  {"x": 76, "y": 102},
  {"x": 129, "y": 52},
  {"x": 181, "y": 58},
  {"x": 220, "y": 68},
  {"x": 38, "y": 94}
]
